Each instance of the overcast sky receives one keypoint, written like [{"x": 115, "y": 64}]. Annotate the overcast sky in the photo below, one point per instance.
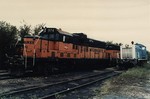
[{"x": 119, "y": 21}]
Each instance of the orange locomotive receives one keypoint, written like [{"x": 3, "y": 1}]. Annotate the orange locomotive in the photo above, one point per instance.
[{"x": 54, "y": 49}]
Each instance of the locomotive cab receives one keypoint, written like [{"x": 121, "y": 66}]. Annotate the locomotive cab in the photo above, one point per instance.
[
  {"x": 50, "y": 44},
  {"x": 135, "y": 54}
]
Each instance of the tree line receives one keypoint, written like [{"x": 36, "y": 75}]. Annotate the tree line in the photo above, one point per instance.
[{"x": 9, "y": 34}]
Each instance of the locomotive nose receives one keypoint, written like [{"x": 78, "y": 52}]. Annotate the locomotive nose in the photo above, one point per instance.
[{"x": 28, "y": 46}]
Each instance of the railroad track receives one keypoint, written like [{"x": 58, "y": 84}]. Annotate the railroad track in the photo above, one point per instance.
[
  {"x": 47, "y": 91},
  {"x": 4, "y": 74},
  {"x": 3, "y": 71}
]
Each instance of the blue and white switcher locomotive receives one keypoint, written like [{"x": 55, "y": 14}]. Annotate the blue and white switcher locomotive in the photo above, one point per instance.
[{"x": 136, "y": 54}]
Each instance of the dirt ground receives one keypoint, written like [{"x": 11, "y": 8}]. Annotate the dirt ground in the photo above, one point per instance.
[{"x": 139, "y": 91}]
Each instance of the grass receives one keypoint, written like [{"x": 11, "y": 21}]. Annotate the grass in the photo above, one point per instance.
[
  {"x": 59, "y": 96},
  {"x": 126, "y": 81}
]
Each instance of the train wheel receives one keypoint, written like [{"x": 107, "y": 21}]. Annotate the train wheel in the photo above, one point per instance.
[
  {"x": 48, "y": 70},
  {"x": 17, "y": 72},
  {"x": 38, "y": 70},
  {"x": 120, "y": 67},
  {"x": 43, "y": 70}
]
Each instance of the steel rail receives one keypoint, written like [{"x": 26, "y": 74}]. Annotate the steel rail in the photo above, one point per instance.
[
  {"x": 77, "y": 87},
  {"x": 38, "y": 87}
]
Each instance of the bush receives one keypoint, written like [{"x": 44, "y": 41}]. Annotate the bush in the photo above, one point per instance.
[{"x": 8, "y": 36}]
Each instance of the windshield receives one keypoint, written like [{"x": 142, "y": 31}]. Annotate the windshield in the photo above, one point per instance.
[{"x": 50, "y": 36}]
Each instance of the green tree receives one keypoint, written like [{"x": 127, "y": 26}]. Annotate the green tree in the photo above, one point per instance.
[
  {"x": 118, "y": 44},
  {"x": 111, "y": 42},
  {"x": 38, "y": 28},
  {"x": 8, "y": 37},
  {"x": 24, "y": 30}
]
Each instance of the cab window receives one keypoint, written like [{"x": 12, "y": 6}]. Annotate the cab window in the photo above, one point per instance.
[
  {"x": 45, "y": 36},
  {"x": 51, "y": 36}
]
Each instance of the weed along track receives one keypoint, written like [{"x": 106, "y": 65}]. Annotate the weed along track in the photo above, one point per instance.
[{"x": 51, "y": 90}]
